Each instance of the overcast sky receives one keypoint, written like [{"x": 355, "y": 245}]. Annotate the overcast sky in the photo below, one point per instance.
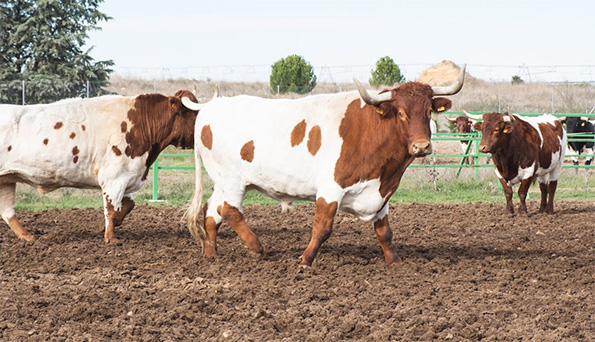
[{"x": 240, "y": 40}]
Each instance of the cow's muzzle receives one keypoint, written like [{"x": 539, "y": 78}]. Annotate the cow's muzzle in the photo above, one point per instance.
[
  {"x": 484, "y": 149},
  {"x": 421, "y": 148}
]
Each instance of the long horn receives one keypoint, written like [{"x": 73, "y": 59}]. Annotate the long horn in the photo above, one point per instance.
[
  {"x": 473, "y": 116},
  {"x": 451, "y": 119},
  {"x": 191, "y": 104},
  {"x": 453, "y": 88},
  {"x": 371, "y": 99}
]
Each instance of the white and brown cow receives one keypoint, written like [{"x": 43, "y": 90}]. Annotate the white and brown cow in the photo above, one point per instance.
[
  {"x": 464, "y": 125},
  {"x": 107, "y": 142},
  {"x": 524, "y": 150},
  {"x": 344, "y": 151}
]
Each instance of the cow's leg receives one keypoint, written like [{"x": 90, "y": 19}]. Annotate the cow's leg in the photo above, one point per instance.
[
  {"x": 544, "y": 190},
  {"x": 7, "y": 193},
  {"x": 523, "y": 189},
  {"x": 385, "y": 237},
  {"x": 323, "y": 225},
  {"x": 212, "y": 222},
  {"x": 113, "y": 210},
  {"x": 127, "y": 206},
  {"x": 552, "y": 186},
  {"x": 235, "y": 219},
  {"x": 508, "y": 194}
]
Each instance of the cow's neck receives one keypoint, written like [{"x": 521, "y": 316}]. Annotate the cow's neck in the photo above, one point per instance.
[
  {"x": 372, "y": 148},
  {"x": 519, "y": 150}
]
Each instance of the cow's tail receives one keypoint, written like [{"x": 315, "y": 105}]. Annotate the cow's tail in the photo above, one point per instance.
[{"x": 193, "y": 212}]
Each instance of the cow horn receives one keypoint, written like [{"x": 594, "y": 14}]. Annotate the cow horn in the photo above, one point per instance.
[
  {"x": 453, "y": 88},
  {"x": 191, "y": 104},
  {"x": 510, "y": 116},
  {"x": 451, "y": 119},
  {"x": 585, "y": 118},
  {"x": 473, "y": 116},
  {"x": 371, "y": 99}
]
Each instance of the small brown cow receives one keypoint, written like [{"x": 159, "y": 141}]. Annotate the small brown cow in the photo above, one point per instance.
[{"x": 524, "y": 150}]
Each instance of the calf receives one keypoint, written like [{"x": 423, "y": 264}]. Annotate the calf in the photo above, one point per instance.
[{"x": 524, "y": 150}]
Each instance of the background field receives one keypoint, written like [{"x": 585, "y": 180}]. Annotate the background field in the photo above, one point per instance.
[{"x": 175, "y": 186}]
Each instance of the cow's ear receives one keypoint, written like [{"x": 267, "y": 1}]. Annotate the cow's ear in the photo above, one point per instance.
[
  {"x": 175, "y": 104},
  {"x": 477, "y": 126},
  {"x": 507, "y": 128},
  {"x": 441, "y": 104},
  {"x": 385, "y": 109}
]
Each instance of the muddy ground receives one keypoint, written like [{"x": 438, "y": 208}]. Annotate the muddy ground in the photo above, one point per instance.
[{"x": 471, "y": 273}]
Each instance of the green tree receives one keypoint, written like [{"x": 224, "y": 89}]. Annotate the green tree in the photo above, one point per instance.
[
  {"x": 516, "y": 79},
  {"x": 387, "y": 73},
  {"x": 41, "y": 43},
  {"x": 292, "y": 74}
]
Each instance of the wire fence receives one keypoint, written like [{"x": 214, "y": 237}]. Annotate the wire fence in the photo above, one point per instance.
[{"x": 437, "y": 161}]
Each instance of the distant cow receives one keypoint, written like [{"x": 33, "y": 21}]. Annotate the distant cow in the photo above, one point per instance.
[
  {"x": 344, "y": 151},
  {"x": 576, "y": 125},
  {"x": 107, "y": 142},
  {"x": 464, "y": 125},
  {"x": 523, "y": 150}
]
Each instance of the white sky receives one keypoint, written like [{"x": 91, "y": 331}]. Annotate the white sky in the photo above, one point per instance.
[{"x": 240, "y": 39}]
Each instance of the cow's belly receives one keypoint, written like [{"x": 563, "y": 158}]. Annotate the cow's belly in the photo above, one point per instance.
[
  {"x": 363, "y": 200},
  {"x": 48, "y": 179},
  {"x": 523, "y": 173}
]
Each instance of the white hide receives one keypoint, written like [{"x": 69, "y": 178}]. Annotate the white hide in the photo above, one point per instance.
[
  {"x": 91, "y": 126},
  {"x": 279, "y": 170}
]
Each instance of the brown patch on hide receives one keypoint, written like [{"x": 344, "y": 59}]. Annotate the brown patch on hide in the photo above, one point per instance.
[
  {"x": 116, "y": 151},
  {"x": 314, "y": 140},
  {"x": 298, "y": 133},
  {"x": 206, "y": 136},
  {"x": 247, "y": 151}
]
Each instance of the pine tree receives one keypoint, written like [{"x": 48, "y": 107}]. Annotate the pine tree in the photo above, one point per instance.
[
  {"x": 292, "y": 74},
  {"x": 41, "y": 43},
  {"x": 387, "y": 73}
]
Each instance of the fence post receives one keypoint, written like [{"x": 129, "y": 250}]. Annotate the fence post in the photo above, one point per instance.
[
  {"x": 156, "y": 180},
  {"x": 23, "y": 92},
  {"x": 277, "y": 91},
  {"x": 87, "y": 88}
]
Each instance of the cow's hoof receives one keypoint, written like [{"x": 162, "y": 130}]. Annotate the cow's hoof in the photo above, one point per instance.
[
  {"x": 27, "y": 237},
  {"x": 111, "y": 240},
  {"x": 257, "y": 254},
  {"x": 397, "y": 263}
]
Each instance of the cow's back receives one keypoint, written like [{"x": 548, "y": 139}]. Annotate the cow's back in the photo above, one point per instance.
[
  {"x": 552, "y": 144},
  {"x": 277, "y": 146},
  {"x": 62, "y": 142}
]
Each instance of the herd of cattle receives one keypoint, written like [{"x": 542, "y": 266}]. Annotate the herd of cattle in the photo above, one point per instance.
[{"x": 343, "y": 151}]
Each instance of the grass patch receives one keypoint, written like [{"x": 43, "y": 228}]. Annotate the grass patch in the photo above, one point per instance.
[{"x": 176, "y": 188}]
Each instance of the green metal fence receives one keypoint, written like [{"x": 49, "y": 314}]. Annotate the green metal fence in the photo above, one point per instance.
[{"x": 472, "y": 152}]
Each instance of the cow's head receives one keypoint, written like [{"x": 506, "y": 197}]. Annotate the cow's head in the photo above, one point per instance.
[
  {"x": 182, "y": 132},
  {"x": 462, "y": 123},
  {"x": 411, "y": 105},
  {"x": 578, "y": 125},
  {"x": 496, "y": 129}
]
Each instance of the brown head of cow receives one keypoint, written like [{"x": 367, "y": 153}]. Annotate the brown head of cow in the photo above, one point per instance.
[
  {"x": 411, "y": 105},
  {"x": 184, "y": 118},
  {"x": 496, "y": 130}
]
